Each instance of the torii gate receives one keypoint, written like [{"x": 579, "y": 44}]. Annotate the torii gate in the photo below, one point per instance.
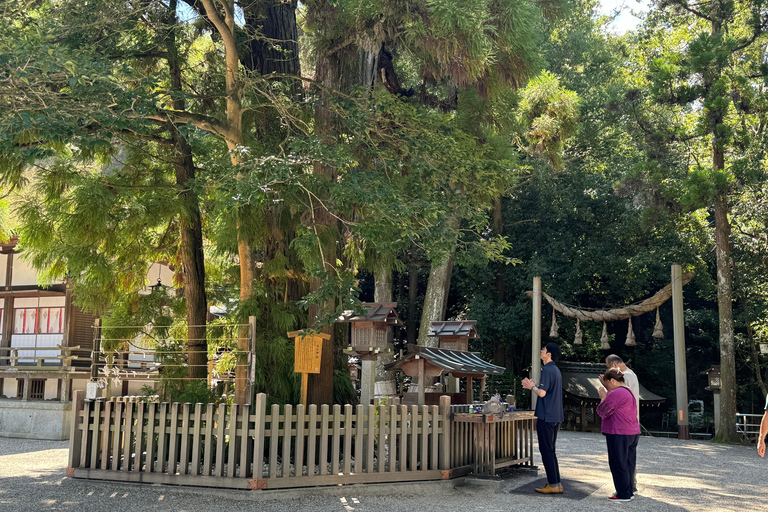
[{"x": 674, "y": 289}]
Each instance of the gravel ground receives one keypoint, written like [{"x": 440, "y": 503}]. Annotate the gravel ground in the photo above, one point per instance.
[{"x": 673, "y": 475}]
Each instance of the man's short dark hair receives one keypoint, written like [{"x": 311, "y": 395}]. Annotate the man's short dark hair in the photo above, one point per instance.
[
  {"x": 613, "y": 359},
  {"x": 554, "y": 350}
]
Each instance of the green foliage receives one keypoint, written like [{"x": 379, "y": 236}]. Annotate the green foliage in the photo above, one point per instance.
[
  {"x": 274, "y": 369},
  {"x": 6, "y": 224},
  {"x": 343, "y": 390},
  {"x": 550, "y": 112}
]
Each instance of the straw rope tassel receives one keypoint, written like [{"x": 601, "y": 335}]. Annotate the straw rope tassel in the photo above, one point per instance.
[
  {"x": 604, "y": 344},
  {"x": 658, "y": 329},
  {"x": 555, "y": 327},
  {"x": 577, "y": 337},
  {"x": 618, "y": 313},
  {"x": 630, "y": 336}
]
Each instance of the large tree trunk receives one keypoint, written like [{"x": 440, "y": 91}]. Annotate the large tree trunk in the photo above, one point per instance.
[
  {"x": 436, "y": 298},
  {"x": 276, "y": 47},
  {"x": 755, "y": 359},
  {"x": 339, "y": 68},
  {"x": 499, "y": 346},
  {"x": 385, "y": 381},
  {"x": 327, "y": 74},
  {"x": 234, "y": 138},
  {"x": 413, "y": 296},
  {"x": 727, "y": 427},
  {"x": 190, "y": 225},
  {"x": 438, "y": 285},
  {"x": 274, "y": 50}
]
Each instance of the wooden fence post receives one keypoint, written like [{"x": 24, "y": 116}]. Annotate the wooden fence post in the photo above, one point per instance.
[
  {"x": 260, "y": 412},
  {"x": 74, "y": 438},
  {"x": 96, "y": 349},
  {"x": 445, "y": 436}
]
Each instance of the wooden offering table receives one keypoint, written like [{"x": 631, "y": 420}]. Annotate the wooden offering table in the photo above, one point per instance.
[{"x": 500, "y": 441}]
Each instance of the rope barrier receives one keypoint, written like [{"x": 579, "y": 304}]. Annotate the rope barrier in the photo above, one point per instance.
[{"x": 607, "y": 315}]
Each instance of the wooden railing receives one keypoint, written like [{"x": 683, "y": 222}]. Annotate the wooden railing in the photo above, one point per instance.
[
  {"x": 281, "y": 447},
  {"x": 251, "y": 447},
  {"x": 57, "y": 356}
]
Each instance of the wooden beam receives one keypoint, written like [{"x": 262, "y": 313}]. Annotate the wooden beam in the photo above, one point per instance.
[
  {"x": 536, "y": 337},
  {"x": 422, "y": 384},
  {"x": 470, "y": 394}
]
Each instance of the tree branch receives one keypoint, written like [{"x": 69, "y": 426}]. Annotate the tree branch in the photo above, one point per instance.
[
  {"x": 206, "y": 123},
  {"x": 684, "y": 6}
]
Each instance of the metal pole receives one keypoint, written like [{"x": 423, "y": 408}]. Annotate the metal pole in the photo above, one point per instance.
[
  {"x": 536, "y": 337},
  {"x": 681, "y": 374}
]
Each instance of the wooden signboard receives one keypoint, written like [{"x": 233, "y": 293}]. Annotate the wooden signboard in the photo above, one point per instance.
[{"x": 307, "y": 356}]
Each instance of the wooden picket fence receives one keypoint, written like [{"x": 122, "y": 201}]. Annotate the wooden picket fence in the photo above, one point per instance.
[{"x": 251, "y": 447}]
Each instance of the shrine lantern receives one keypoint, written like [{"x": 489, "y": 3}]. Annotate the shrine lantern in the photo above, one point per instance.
[
  {"x": 371, "y": 331},
  {"x": 371, "y": 335}
]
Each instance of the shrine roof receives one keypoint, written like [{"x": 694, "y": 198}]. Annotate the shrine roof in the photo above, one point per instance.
[
  {"x": 582, "y": 382},
  {"x": 374, "y": 312},
  {"x": 454, "y": 328},
  {"x": 449, "y": 360}
]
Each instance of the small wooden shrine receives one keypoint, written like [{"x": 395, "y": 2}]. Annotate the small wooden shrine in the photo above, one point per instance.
[
  {"x": 371, "y": 335},
  {"x": 451, "y": 356},
  {"x": 371, "y": 331}
]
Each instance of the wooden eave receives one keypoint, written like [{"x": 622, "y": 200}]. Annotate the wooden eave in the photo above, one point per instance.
[
  {"x": 465, "y": 328},
  {"x": 451, "y": 361},
  {"x": 378, "y": 313}
]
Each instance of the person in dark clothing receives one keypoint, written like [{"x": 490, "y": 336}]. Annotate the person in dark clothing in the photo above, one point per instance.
[{"x": 549, "y": 414}]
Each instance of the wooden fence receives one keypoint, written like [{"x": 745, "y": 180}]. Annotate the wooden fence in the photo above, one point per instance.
[{"x": 254, "y": 448}]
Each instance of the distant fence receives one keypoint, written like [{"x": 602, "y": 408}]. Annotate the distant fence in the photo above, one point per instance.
[
  {"x": 748, "y": 426},
  {"x": 252, "y": 448}
]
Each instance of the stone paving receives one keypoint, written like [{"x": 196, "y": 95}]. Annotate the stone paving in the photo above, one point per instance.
[{"x": 673, "y": 475}]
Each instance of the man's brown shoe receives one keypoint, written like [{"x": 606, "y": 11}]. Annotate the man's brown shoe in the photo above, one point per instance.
[{"x": 547, "y": 489}]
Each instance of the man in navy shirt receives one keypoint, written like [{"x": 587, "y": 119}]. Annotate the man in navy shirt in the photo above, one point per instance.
[{"x": 549, "y": 414}]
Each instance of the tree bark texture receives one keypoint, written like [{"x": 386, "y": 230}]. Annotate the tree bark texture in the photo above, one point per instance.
[
  {"x": 385, "y": 381},
  {"x": 226, "y": 28},
  {"x": 273, "y": 37},
  {"x": 436, "y": 298},
  {"x": 499, "y": 346},
  {"x": 338, "y": 68},
  {"x": 413, "y": 296},
  {"x": 190, "y": 225},
  {"x": 727, "y": 430},
  {"x": 438, "y": 285}
]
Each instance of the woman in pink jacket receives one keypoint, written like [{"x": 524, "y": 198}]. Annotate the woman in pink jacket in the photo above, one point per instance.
[{"x": 618, "y": 411}]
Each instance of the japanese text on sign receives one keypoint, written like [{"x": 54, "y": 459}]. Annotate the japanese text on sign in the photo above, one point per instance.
[{"x": 307, "y": 354}]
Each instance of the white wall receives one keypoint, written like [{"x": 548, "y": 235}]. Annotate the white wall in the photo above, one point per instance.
[
  {"x": 3, "y": 268},
  {"x": 51, "y": 389},
  {"x": 23, "y": 273},
  {"x": 9, "y": 387}
]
